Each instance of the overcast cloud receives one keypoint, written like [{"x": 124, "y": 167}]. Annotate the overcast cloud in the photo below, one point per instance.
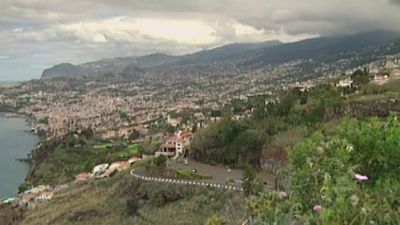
[{"x": 35, "y": 34}]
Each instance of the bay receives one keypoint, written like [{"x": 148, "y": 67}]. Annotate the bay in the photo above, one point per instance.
[{"x": 15, "y": 143}]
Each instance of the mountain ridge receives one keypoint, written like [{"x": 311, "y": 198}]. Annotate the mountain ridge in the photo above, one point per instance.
[{"x": 236, "y": 56}]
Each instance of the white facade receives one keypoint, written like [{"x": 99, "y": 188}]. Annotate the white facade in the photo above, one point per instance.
[{"x": 100, "y": 168}]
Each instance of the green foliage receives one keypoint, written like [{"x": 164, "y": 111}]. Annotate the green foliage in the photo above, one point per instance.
[
  {"x": 162, "y": 127},
  {"x": 361, "y": 77},
  {"x": 149, "y": 148},
  {"x": 23, "y": 187},
  {"x": 268, "y": 208},
  {"x": 123, "y": 199},
  {"x": 323, "y": 172},
  {"x": 251, "y": 185},
  {"x": 227, "y": 142},
  {"x": 215, "y": 220},
  {"x": 160, "y": 161},
  {"x": 134, "y": 135},
  {"x": 60, "y": 160},
  {"x": 393, "y": 86},
  {"x": 289, "y": 137},
  {"x": 132, "y": 207}
]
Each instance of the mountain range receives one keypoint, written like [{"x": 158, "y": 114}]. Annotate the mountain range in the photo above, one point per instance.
[{"x": 310, "y": 55}]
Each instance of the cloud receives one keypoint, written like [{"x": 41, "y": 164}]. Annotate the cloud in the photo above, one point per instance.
[
  {"x": 5, "y": 57},
  {"x": 185, "y": 31},
  {"x": 38, "y": 33}
]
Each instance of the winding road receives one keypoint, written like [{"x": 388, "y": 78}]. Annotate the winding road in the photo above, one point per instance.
[{"x": 221, "y": 177}]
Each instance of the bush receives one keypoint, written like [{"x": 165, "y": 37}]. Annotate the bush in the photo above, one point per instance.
[
  {"x": 164, "y": 195},
  {"x": 215, "y": 220},
  {"x": 324, "y": 189},
  {"x": 227, "y": 142},
  {"x": 160, "y": 161}
]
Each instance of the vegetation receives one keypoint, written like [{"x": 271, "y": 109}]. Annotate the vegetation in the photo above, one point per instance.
[
  {"x": 10, "y": 215},
  {"x": 327, "y": 170},
  {"x": 227, "y": 142},
  {"x": 348, "y": 177},
  {"x": 125, "y": 200},
  {"x": 215, "y": 220},
  {"x": 59, "y": 160},
  {"x": 190, "y": 175}
]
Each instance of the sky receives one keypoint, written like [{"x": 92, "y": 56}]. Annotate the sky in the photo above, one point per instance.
[{"x": 37, "y": 34}]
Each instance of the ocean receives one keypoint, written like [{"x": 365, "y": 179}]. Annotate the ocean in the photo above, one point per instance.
[{"x": 15, "y": 143}]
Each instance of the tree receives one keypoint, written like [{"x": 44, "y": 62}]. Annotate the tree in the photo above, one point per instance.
[
  {"x": 360, "y": 77},
  {"x": 251, "y": 185},
  {"x": 286, "y": 104},
  {"x": 134, "y": 135},
  {"x": 260, "y": 110},
  {"x": 160, "y": 161}
]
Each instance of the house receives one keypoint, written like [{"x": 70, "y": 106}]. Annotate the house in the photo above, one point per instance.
[
  {"x": 167, "y": 149},
  {"x": 380, "y": 80},
  {"x": 27, "y": 198},
  {"x": 83, "y": 177},
  {"x": 38, "y": 189},
  {"x": 345, "y": 83},
  {"x": 119, "y": 166},
  {"x": 244, "y": 98},
  {"x": 173, "y": 121},
  {"x": 199, "y": 116},
  {"x": 176, "y": 145},
  {"x": 60, "y": 187},
  {"x": 101, "y": 168},
  {"x": 45, "y": 196}
]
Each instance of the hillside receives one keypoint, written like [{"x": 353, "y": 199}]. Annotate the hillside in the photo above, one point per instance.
[
  {"x": 304, "y": 58},
  {"x": 325, "y": 46},
  {"x": 124, "y": 200}
]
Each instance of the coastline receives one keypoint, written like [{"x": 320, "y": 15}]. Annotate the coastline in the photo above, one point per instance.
[
  {"x": 27, "y": 119},
  {"x": 26, "y": 158}
]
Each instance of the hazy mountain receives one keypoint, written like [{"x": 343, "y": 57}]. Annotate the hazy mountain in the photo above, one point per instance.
[
  {"x": 244, "y": 55},
  {"x": 155, "y": 59},
  {"x": 117, "y": 65},
  {"x": 230, "y": 51},
  {"x": 324, "y": 46},
  {"x": 65, "y": 70}
]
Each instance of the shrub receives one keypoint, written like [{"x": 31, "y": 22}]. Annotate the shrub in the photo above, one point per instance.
[
  {"x": 215, "y": 220},
  {"x": 324, "y": 187}
]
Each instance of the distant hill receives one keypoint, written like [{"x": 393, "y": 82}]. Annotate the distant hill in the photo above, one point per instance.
[
  {"x": 324, "y": 46},
  {"x": 118, "y": 65},
  {"x": 230, "y": 51},
  {"x": 65, "y": 70},
  {"x": 245, "y": 57}
]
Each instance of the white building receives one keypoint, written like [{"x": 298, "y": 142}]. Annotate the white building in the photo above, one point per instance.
[
  {"x": 345, "y": 83},
  {"x": 100, "y": 168}
]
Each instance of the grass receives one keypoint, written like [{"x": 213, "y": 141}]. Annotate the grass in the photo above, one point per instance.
[
  {"x": 104, "y": 202},
  {"x": 289, "y": 137},
  {"x": 189, "y": 175},
  {"x": 64, "y": 162},
  {"x": 129, "y": 151},
  {"x": 103, "y": 146}
]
